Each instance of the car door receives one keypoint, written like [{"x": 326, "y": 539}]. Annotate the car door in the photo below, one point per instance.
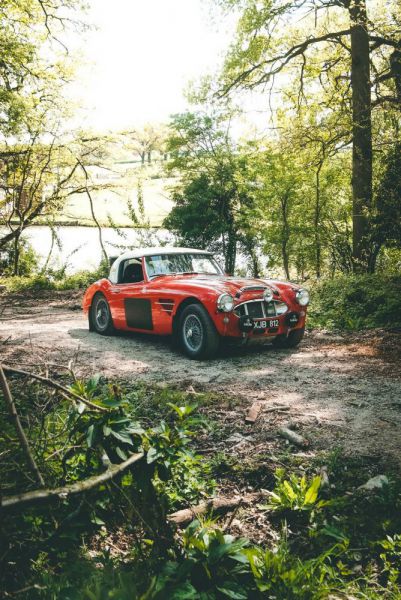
[{"x": 130, "y": 304}]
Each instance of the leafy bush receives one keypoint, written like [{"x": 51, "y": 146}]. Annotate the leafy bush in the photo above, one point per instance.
[
  {"x": 47, "y": 281},
  {"x": 27, "y": 261},
  {"x": 356, "y": 302},
  {"x": 295, "y": 493}
]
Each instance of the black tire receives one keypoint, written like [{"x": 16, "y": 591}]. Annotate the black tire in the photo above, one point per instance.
[
  {"x": 291, "y": 341},
  {"x": 100, "y": 319},
  {"x": 197, "y": 335}
]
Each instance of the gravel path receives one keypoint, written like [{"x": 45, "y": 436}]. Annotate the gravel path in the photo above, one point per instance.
[{"x": 341, "y": 391}]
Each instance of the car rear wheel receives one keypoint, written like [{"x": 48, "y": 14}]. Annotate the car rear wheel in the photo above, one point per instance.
[
  {"x": 197, "y": 334},
  {"x": 100, "y": 316},
  {"x": 290, "y": 341}
]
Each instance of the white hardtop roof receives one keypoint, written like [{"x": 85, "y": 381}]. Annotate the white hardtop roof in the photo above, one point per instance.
[{"x": 139, "y": 252}]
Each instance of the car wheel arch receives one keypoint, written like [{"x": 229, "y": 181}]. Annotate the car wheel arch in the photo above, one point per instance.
[{"x": 180, "y": 308}]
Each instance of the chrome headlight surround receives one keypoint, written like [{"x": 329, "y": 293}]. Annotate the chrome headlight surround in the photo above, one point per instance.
[
  {"x": 302, "y": 297},
  {"x": 268, "y": 295},
  {"x": 225, "y": 303}
]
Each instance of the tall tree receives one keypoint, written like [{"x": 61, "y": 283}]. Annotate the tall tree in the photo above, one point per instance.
[
  {"x": 262, "y": 52},
  {"x": 210, "y": 200}
]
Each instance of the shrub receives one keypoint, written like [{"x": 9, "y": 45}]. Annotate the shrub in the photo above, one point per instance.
[{"x": 356, "y": 302}]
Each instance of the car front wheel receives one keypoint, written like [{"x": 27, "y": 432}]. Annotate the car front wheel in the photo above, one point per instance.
[
  {"x": 100, "y": 316},
  {"x": 197, "y": 334}
]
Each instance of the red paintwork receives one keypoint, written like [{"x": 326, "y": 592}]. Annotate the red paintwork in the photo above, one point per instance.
[{"x": 203, "y": 288}]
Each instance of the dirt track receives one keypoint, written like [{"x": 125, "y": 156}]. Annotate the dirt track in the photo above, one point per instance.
[{"x": 341, "y": 390}]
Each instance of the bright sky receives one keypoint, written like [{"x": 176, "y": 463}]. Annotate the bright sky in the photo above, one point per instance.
[{"x": 142, "y": 55}]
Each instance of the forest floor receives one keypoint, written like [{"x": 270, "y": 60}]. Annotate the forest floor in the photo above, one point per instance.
[{"x": 339, "y": 391}]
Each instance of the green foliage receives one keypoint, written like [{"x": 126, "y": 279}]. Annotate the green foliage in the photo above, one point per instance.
[
  {"x": 295, "y": 493},
  {"x": 356, "y": 302},
  {"x": 388, "y": 200},
  {"x": 45, "y": 281},
  {"x": 212, "y": 566},
  {"x": 211, "y": 204},
  {"x": 285, "y": 575},
  {"x": 315, "y": 548},
  {"x": 27, "y": 260}
]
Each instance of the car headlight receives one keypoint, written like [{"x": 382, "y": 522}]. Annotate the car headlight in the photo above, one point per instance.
[
  {"x": 268, "y": 295},
  {"x": 302, "y": 297},
  {"x": 225, "y": 302}
]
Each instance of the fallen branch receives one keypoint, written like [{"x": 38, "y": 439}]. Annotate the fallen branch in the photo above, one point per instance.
[
  {"x": 277, "y": 408},
  {"x": 12, "y": 411},
  {"x": 66, "y": 392},
  {"x": 186, "y": 515},
  {"x": 74, "y": 489}
]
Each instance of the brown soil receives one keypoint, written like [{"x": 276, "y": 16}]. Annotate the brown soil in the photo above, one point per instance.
[{"x": 337, "y": 390}]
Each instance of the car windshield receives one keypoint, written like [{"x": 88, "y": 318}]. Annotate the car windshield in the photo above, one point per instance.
[{"x": 173, "y": 264}]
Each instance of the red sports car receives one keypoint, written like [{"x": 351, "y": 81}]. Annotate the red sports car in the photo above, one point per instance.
[{"x": 184, "y": 293}]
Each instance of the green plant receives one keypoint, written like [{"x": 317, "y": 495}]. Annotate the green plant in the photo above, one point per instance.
[
  {"x": 287, "y": 577},
  {"x": 391, "y": 557},
  {"x": 295, "y": 493},
  {"x": 356, "y": 302},
  {"x": 213, "y": 566}
]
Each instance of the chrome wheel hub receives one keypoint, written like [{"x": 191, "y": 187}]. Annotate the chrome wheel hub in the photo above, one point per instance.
[
  {"x": 193, "y": 333},
  {"x": 102, "y": 314}
]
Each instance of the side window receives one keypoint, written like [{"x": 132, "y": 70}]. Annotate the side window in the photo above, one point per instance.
[{"x": 131, "y": 271}]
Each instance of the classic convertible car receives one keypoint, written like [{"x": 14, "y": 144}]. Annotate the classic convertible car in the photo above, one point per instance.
[{"x": 184, "y": 293}]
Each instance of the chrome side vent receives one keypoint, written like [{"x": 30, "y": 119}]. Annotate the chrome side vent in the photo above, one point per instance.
[{"x": 167, "y": 305}]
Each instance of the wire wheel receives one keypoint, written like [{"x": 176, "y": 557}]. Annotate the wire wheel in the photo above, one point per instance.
[
  {"x": 101, "y": 315},
  {"x": 193, "y": 332}
]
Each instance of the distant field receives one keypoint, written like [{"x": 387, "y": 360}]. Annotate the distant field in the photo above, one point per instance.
[{"x": 113, "y": 202}]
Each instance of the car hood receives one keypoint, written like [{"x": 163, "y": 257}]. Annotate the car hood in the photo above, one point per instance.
[{"x": 221, "y": 284}]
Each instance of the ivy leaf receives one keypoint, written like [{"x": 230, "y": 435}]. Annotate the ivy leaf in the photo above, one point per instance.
[
  {"x": 152, "y": 455},
  {"x": 122, "y": 437},
  {"x": 121, "y": 453}
]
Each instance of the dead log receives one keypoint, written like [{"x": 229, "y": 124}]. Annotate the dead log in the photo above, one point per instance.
[
  {"x": 74, "y": 489},
  {"x": 292, "y": 436},
  {"x": 186, "y": 515},
  {"x": 12, "y": 411}
]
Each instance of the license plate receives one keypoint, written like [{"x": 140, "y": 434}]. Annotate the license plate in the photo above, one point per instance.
[{"x": 268, "y": 324}]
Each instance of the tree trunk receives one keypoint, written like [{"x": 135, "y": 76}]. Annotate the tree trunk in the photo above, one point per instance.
[
  {"x": 362, "y": 134},
  {"x": 17, "y": 253},
  {"x": 231, "y": 252},
  {"x": 316, "y": 223},
  {"x": 285, "y": 236}
]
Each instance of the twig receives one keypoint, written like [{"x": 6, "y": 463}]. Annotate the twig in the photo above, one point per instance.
[
  {"x": 74, "y": 489},
  {"x": 66, "y": 392},
  {"x": 19, "y": 429},
  {"x": 233, "y": 515}
]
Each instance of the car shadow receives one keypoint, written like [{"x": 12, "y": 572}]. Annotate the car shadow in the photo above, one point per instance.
[{"x": 162, "y": 343}]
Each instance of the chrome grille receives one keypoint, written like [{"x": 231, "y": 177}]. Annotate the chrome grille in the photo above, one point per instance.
[{"x": 259, "y": 309}]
